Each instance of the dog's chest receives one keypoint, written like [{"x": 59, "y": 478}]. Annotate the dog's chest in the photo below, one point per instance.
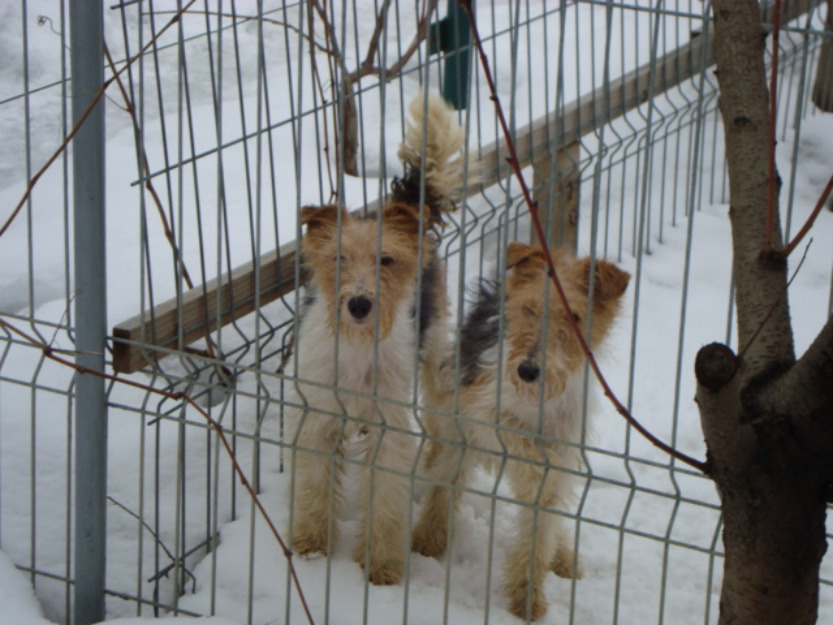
[
  {"x": 559, "y": 418},
  {"x": 384, "y": 368}
]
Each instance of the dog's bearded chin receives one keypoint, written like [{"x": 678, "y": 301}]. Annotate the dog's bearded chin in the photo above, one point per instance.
[{"x": 360, "y": 333}]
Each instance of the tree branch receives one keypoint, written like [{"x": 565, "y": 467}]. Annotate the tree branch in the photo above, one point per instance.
[
  {"x": 805, "y": 392},
  {"x": 719, "y": 379},
  {"x": 760, "y": 276},
  {"x": 349, "y": 138},
  {"x": 373, "y": 46}
]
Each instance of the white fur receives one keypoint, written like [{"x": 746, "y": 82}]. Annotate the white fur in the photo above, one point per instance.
[
  {"x": 352, "y": 391},
  {"x": 361, "y": 370},
  {"x": 435, "y": 126},
  {"x": 354, "y": 400},
  {"x": 535, "y": 447}
]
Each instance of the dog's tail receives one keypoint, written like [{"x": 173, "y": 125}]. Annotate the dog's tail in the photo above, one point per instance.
[{"x": 433, "y": 146}]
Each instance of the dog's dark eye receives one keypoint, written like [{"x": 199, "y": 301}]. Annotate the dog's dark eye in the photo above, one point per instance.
[
  {"x": 386, "y": 260},
  {"x": 337, "y": 258},
  {"x": 576, "y": 317}
]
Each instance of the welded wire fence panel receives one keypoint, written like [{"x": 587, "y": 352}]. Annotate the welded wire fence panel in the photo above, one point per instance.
[{"x": 226, "y": 119}]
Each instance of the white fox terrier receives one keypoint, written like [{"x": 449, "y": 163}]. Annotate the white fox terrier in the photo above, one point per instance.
[
  {"x": 376, "y": 305},
  {"x": 519, "y": 400}
]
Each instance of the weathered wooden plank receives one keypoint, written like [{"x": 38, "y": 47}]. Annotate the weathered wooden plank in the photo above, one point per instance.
[
  {"x": 556, "y": 189},
  {"x": 203, "y": 309}
]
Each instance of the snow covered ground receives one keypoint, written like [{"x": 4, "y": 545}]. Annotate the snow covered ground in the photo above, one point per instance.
[{"x": 647, "y": 536}]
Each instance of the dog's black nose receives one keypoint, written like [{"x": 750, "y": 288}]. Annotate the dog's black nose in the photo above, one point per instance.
[
  {"x": 528, "y": 371},
  {"x": 359, "y": 306}
]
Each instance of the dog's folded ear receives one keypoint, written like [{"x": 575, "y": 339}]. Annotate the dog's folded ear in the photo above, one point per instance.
[
  {"x": 403, "y": 217},
  {"x": 610, "y": 282},
  {"x": 314, "y": 217},
  {"x": 520, "y": 255}
]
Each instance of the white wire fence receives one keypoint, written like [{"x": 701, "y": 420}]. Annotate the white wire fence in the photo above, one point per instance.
[{"x": 225, "y": 119}]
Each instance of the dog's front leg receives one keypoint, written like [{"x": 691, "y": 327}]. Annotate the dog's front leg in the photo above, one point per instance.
[
  {"x": 531, "y": 557},
  {"x": 316, "y": 492},
  {"x": 447, "y": 464},
  {"x": 382, "y": 545},
  {"x": 565, "y": 563}
]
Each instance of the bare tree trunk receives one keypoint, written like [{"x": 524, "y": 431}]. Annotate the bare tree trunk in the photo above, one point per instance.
[
  {"x": 823, "y": 86},
  {"x": 761, "y": 277},
  {"x": 767, "y": 419},
  {"x": 772, "y": 489}
]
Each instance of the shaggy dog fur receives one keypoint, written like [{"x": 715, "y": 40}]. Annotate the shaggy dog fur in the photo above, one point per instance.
[
  {"x": 376, "y": 305},
  {"x": 519, "y": 407}
]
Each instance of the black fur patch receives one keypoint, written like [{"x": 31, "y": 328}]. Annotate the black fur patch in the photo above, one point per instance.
[
  {"x": 427, "y": 297},
  {"x": 406, "y": 189},
  {"x": 480, "y": 331}
]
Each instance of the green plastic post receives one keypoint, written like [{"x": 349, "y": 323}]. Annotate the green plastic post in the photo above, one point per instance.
[{"x": 452, "y": 35}]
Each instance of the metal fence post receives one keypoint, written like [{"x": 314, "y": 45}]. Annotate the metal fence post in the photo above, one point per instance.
[
  {"x": 87, "y": 64},
  {"x": 452, "y": 35}
]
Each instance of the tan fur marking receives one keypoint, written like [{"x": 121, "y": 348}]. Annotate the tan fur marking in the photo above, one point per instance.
[
  {"x": 537, "y": 332},
  {"x": 359, "y": 344}
]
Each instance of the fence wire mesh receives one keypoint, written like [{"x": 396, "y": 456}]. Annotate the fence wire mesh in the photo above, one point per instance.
[{"x": 226, "y": 118}]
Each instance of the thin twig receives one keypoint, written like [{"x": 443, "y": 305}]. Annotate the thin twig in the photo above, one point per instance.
[
  {"x": 421, "y": 34},
  {"x": 810, "y": 220},
  {"x": 319, "y": 84},
  {"x": 367, "y": 68},
  {"x": 330, "y": 38},
  {"x": 169, "y": 235},
  {"x": 48, "y": 352},
  {"x": 373, "y": 46},
  {"x": 159, "y": 542},
  {"x": 512, "y": 159},
  {"x": 99, "y": 94}
]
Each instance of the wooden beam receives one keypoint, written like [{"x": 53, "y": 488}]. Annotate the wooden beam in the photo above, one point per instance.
[
  {"x": 179, "y": 322},
  {"x": 134, "y": 340},
  {"x": 556, "y": 190}
]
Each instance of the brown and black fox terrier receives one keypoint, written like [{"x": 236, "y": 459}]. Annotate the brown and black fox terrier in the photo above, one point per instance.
[
  {"x": 376, "y": 305},
  {"x": 518, "y": 405}
]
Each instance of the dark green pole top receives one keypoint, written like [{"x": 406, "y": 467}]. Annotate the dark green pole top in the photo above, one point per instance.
[{"x": 452, "y": 35}]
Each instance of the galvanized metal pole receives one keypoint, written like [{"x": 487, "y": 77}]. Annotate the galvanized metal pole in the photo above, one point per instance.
[{"x": 87, "y": 63}]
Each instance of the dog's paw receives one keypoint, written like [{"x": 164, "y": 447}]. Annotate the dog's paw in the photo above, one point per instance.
[
  {"x": 382, "y": 566},
  {"x": 533, "y": 608},
  {"x": 309, "y": 545},
  {"x": 385, "y": 574},
  {"x": 427, "y": 542},
  {"x": 562, "y": 564}
]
